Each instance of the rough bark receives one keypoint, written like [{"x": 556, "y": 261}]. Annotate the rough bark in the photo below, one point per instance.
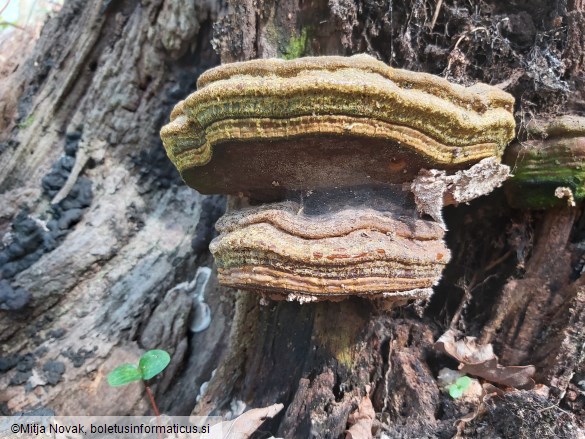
[
  {"x": 102, "y": 79},
  {"x": 97, "y": 285},
  {"x": 306, "y": 355}
]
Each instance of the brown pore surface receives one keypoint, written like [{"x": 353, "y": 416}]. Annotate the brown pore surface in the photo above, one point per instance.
[{"x": 267, "y": 169}]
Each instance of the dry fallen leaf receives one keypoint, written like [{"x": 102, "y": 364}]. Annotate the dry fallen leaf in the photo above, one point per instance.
[
  {"x": 361, "y": 420},
  {"x": 244, "y": 425},
  {"x": 480, "y": 360}
]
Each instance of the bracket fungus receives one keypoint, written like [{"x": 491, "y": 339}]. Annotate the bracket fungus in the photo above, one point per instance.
[
  {"x": 549, "y": 170},
  {"x": 328, "y": 144}
]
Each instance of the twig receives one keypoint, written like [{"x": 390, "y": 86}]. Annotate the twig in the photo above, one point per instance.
[
  {"x": 551, "y": 407},
  {"x": 436, "y": 14},
  {"x": 462, "y": 304},
  {"x": 6, "y": 23},
  {"x": 461, "y": 38},
  {"x": 466, "y": 34},
  {"x": 497, "y": 261},
  {"x": 4, "y": 7}
]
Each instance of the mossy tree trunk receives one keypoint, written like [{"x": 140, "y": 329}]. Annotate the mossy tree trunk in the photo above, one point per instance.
[{"x": 97, "y": 286}]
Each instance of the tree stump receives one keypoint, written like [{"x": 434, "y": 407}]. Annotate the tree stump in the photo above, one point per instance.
[{"x": 87, "y": 282}]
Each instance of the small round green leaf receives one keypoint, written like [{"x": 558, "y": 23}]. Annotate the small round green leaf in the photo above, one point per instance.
[
  {"x": 124, "y": 374},
  {"x": 455, "y": 391},
  {"x": 463, "y": 382},
  {"x": 153, "y": 362}
]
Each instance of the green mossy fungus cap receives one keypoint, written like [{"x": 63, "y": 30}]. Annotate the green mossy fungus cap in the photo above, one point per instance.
[
  {"x": 271, "y": 125},
  {"x": 554, "y": 159}
]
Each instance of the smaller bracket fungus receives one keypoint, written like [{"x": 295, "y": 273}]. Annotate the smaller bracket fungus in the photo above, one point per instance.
[
  {"x": 550, "y": 169},
  {"x": 281, "y": 248},
  {"x": 338, "y": 129}
]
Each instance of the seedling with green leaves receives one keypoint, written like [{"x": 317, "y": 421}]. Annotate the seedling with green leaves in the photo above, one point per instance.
[
  {"x": 150, "y": 364},
  {"x": 457, "y": 389}
]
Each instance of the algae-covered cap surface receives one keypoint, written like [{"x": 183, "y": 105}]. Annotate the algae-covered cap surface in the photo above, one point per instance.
[
  {"x": 279, "y": 249},
  {"x": 267, "y": 126},
  {"x": 549, "y": 165}
]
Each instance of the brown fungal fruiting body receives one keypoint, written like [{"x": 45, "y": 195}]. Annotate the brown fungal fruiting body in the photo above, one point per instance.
[
  {"x": 353, "y": 251},
  {"x": 338, "y": 121},
  {"x": 267, "y": 128},
  {"x": 549, "y": 170}
]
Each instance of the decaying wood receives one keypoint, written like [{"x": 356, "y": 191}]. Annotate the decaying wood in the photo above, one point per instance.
[
  {"x": 93, "y": 295},
  {"x": 526, "y": 305}
]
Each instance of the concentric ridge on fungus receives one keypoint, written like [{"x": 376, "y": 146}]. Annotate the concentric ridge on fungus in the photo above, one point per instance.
[
  {"x": 267, "y": 108},
  {"x": 346, "y": 135},
  {"x": 273, "y": 248},
  {"x": 555, "y": 158}
]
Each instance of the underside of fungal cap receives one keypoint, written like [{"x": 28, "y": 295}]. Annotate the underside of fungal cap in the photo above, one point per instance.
[
  {"x": 549, "y": 170},
  {"x": 264, "y": 127}
]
